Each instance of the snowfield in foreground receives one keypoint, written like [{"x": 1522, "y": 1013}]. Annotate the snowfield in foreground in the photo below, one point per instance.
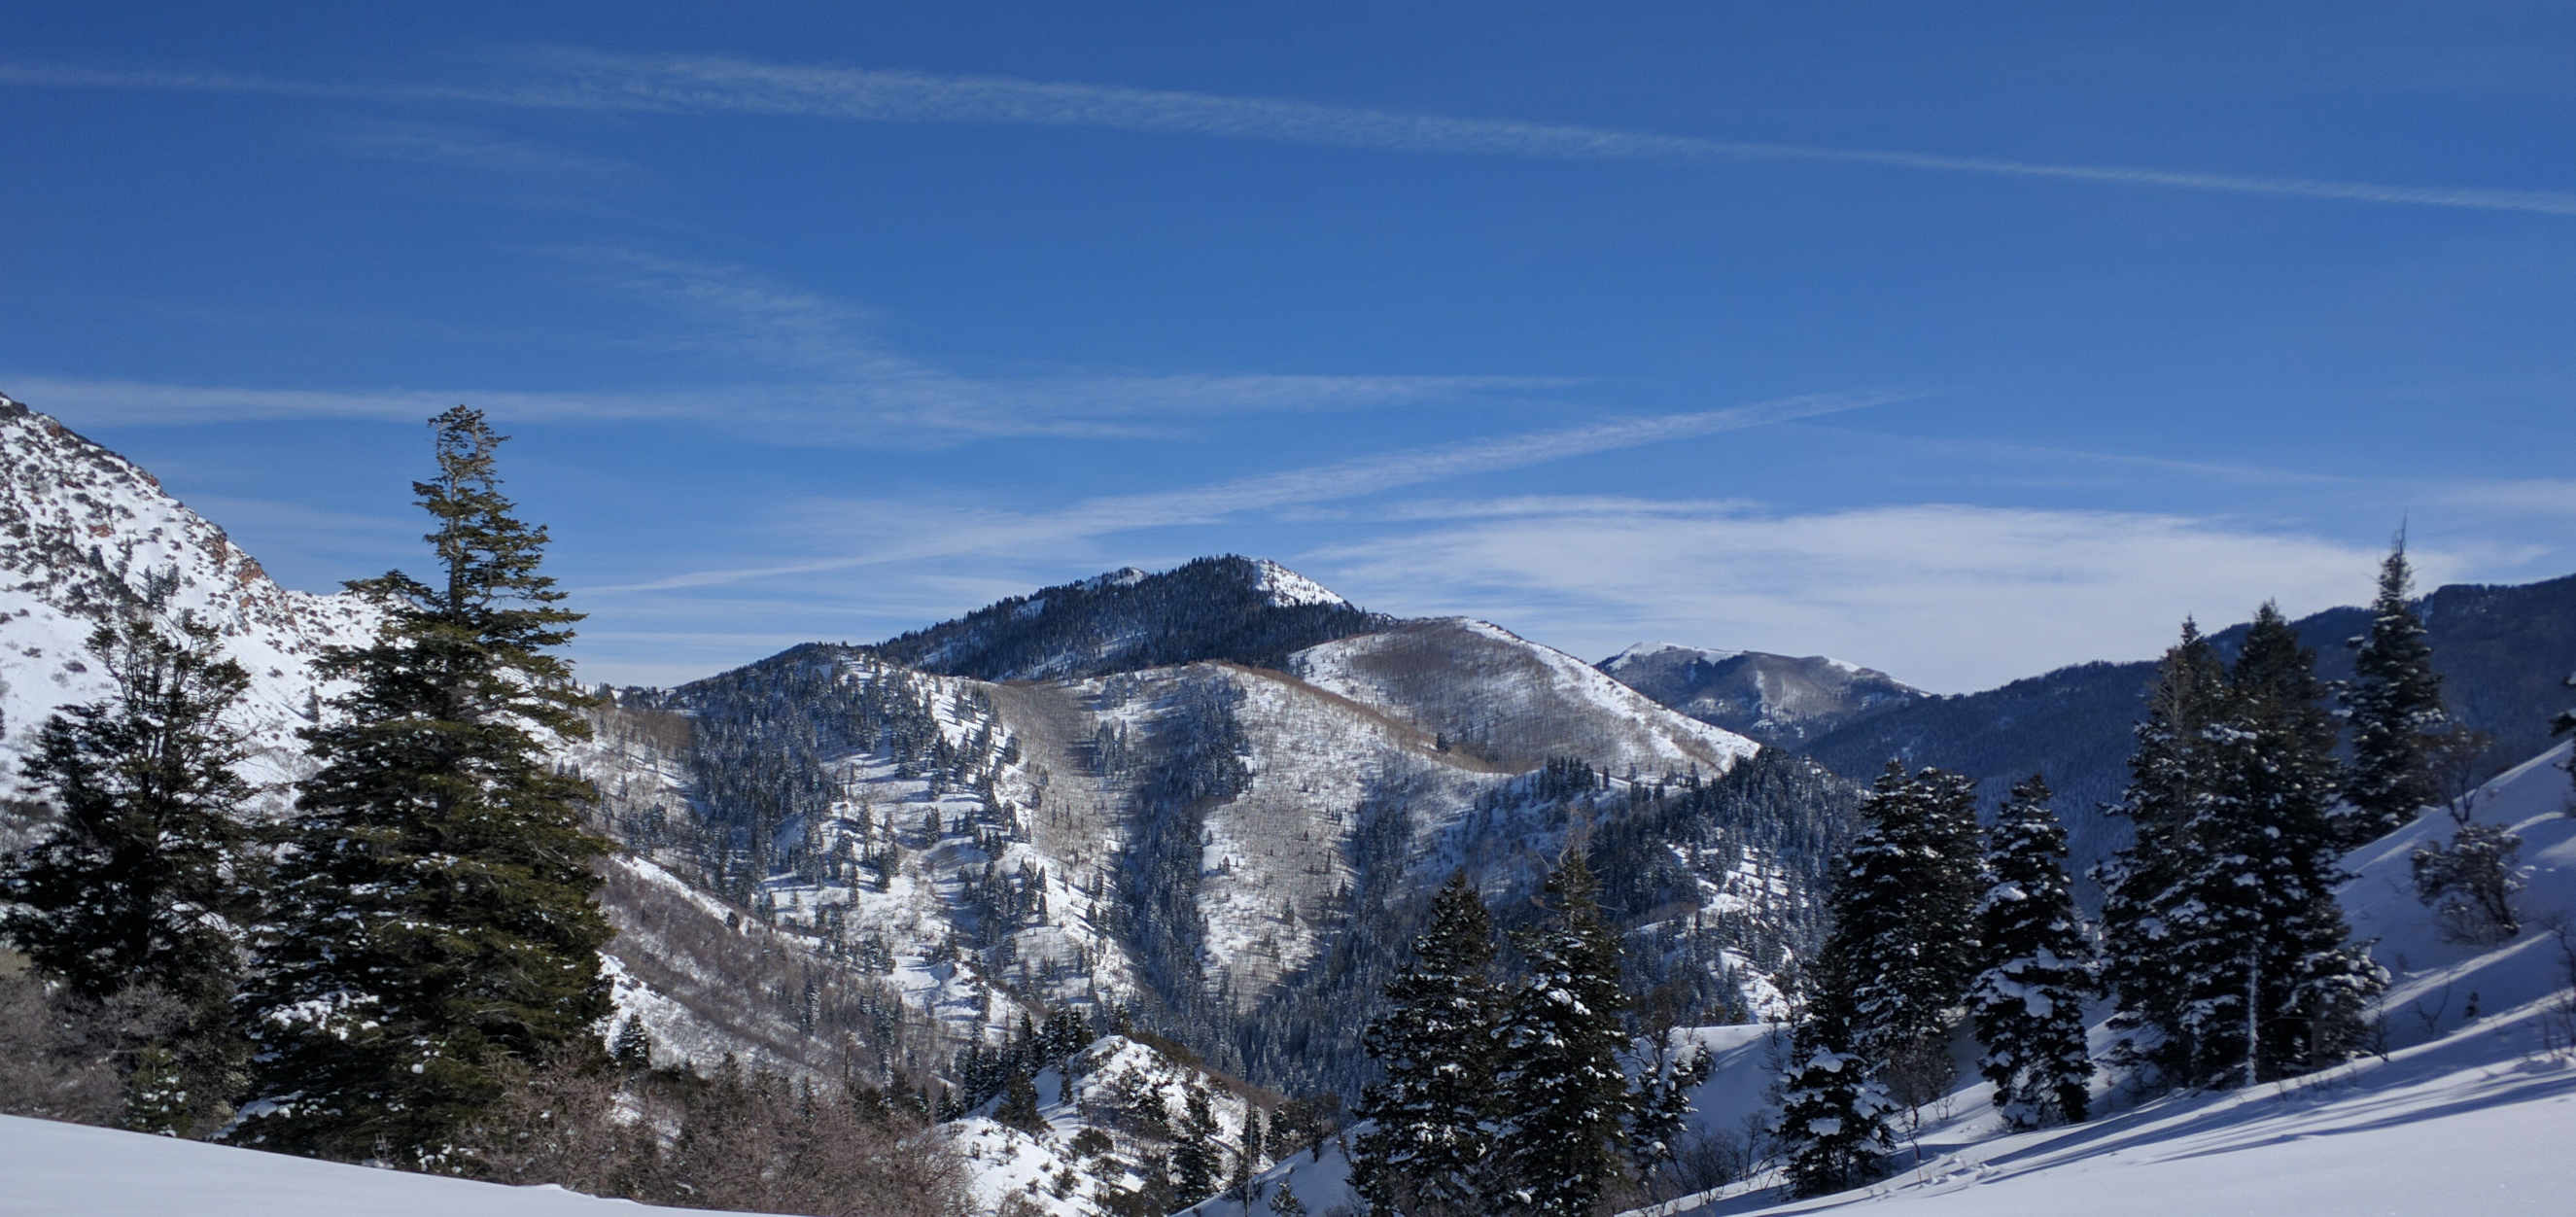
[{"x": 52, "y": 1169}]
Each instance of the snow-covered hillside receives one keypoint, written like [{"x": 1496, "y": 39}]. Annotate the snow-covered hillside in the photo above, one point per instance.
[
  {"x": 1511, "y": 700},
  {"x": 1780, "y": 700},
  {"x": 1102, "y": 1116},
  {"x": 82, "y": 530},
  {"x": 2469, "y": 1111},
  {"x": 67, "y": 1170}
]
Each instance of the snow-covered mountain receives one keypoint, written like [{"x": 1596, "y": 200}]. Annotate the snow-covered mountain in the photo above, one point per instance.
[
  {"x": 1246, "y": 610},
  {"x": 1196, "y": 843},
  {"x": 1781, "y": 700},
  {"x": 83, "y": 534}
]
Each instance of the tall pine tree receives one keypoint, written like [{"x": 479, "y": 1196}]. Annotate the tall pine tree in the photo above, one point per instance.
[
  {"x": 1904, "y": 942},
  {"x": 1561, "y": 1095},
  {"x": 148, "y": 871},
  {"x": 2169, "y": 773},
  {"x": 2230, "y": 952},
  {"x": 435, "y": 924},
  {"x": 1427, "y": 1141},
  {"x": 2395, "y": 705},
  {"x": 2028, "y": 1005}
]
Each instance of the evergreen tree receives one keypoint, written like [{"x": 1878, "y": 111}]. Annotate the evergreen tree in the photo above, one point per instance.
[
  {"x": 1194, "y": 1150},
  {"x": 2028, "y": 1005},
  {"x": 1904, "y": 944},
  {"x": 147, "y": 873},
  {"x": 2271, "y": 982},
  {"x": 1019, "y": 1106},
  {"x": 2395, "y": 704},
  {"x": 1428, "y": 1142},
  {"x": 2169, "y": 772},
  {"x": 633, "y": 1047},
  {"x": 1561, "y": 1095},
  {"x": 1833, "y": 1127},
  {"x": 1661, "y": 1106},
  {"x": 435, "y": 925}
]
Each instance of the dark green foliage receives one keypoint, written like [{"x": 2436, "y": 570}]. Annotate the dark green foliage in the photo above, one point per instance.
[
  {"x": 1874, "y": 1038},
  {"x": 2229, "y": 951},
  {"x": 1019, "y": 1106},
  {"x": 1212, "y": 608},
  {"x": 148, "y": 868},
  {"x": 1833, "y": 1124},
  {"x": 632, "y": 1049},
  {"x": 1904, "y": 943},
  {"x": 2395, "y": 705},
  {"x": 1661, "y": 1105},
  {"x": 2028, "y": 1004},
  {"x": 435, "y": 925},
  {"x": 1561, "y": 1096},
  {"x": 2169, "y": 775},
  {"x": 1435, "y": 1042},
  {"x": 1195, "y": 1155}
]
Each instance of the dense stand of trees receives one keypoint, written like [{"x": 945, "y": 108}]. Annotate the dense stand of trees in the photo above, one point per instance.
[
  {"x": 2223, "y": 947},
  {"x": 1526, "y": 1095}
]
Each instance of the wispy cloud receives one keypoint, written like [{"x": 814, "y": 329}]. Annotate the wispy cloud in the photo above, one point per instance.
[
  {"x": 2526, "y": 496},
  {"x": 564, "y": 78},
  {"x": 134, "y": 402},
  {"x": 453, "y": 146},
  {"x": 910, "y": 532},
  {"x": 1949, "y": 597},
  {"x": 801, "y": 367}
]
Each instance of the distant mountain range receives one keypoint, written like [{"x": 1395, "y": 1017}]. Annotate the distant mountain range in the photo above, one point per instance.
[
  {"x": 1781, "y": 700},
  {"x": 2504, "y": 653}
]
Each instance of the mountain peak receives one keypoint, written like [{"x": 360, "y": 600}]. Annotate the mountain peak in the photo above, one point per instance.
[
  {"x": 1288, "y": 589},
  {"x": 1778, "y": 699},
  {"x": 1229, "y": 607}
]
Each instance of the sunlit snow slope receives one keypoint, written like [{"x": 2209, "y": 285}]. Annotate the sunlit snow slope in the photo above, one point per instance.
[{"x": 66, "y": 1170}]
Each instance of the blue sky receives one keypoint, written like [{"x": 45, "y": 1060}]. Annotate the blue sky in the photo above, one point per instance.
[{"x": 1961, "y": 341}]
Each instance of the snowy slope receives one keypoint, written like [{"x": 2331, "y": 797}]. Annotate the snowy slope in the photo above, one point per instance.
[
  {"x": 1511, "y": 700},
  {"x": 1091, "y": 1092},
  {"x": 1781, "y": 700},
  {"x": 66, "y": 1170},
  {"x": 81, "y": 529},
  {"x": 2464, "y": 1114}
]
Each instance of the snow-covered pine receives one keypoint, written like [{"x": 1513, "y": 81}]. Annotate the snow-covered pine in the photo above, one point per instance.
[
  {"x": 2273, "y": 984},
  {"x": 1833, "y": 1127},
  {"x": 2028, "y": 1004},
  {"x": 137, "y": 890},
  {"x": 2141, "y": 885},
  {"x": 2394, "y": 703},
  {"x": 1426, "y": 1141},
  {"x": 1904, "y": 943},
  {"x": 1561, "y": 1097}
]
